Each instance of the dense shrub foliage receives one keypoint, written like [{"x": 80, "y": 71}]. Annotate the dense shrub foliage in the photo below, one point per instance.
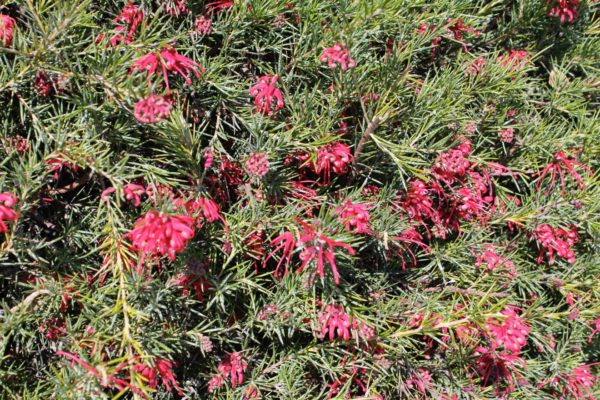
[{"x": 299, "y": 199}]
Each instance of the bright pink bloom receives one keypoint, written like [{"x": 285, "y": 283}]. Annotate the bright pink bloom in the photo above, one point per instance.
[
  {"x": 578, "y": 384},
  {"x": 333, "y": 321},
  {"x": 7, "y": 25},
  {"x": 7, "y": 201},
  {"x": 152, "y": 109},
  {"x": 204, "y": 209},
  {"x": 168, "y": 60},
  {"x": 285, "y": 242},
  {"x": 510, "y": 332},
  {"x": 562, "y": 161},
  {"x": 233, "y": 368},
  {"x": 354, "y": 216},
  {"x": 493, "y": 260},
  {"x": 266, "y": 94},
  {"x": 257, "y": 164},
  {"x": 161, "y": 367},
  {"x": 564, "y": 9},
  {"x": 458, "y": 29},
  {"x": 451, "y": 165},
  {"x": 315, "y": 245},
  {"x": 338, "y": 54},
  {"x": 203, "y": 25},
  {"x": 552, "y": 241},
  {"x": 506, "y": 135},
  {"x": 133, "y": 193},
  {"x": 157, "y": 234},
  {"x": 417, "y": 202},
  {"x": 43, "y": 84},
  {"x": 128, "y": 21}
]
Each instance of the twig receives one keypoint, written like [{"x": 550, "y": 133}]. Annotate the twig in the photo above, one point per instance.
[{"x": 371, "y": 127}]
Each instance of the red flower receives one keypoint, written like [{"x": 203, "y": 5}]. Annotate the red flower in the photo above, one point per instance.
[
  {"x": 551, "y": 240},
  {"x": 315, "y": 244},
  {"x": 168, "y": 60},
  {"x": 476, "y": 66},
  {"x": 458, "y": 29},
  {"x": 579, "y": 384},
  {"x": 175, "y": 8},
  {"x": 7, "y": 24},
  {"x": 161, "y": 367},
  {"x": 417, "y": 202},
  {"x": 128, "y": 20},
  {"x": 333, "y": 156},
  {"x": 152, "y": 109},
  {"x": 493, "y": 260},
  {"x": 219, "y": 6},
  {"x": 562, "y": 161},
  {"x": 354, "y": 216},
  {"x": 133, "y": 193},
  {"x": 496, "y": 367},
  {"x": 204, "y": 209},
  {"x": 7, "y": 201},
  {"x": 514, "y": 59},
  {"x": 333, "y": 321},
  {"x": 420, "y": 380},
  {"x": 16, "y": 143},
  {"x": 57, "y": 162},
  {"x": 403, "y": 242},
  {"x": 232, "y": 367},
  {"x": 287, "y": 243},
  {"x": 510, "y": 332},
  {"x": 266, "y": 93},
  {"x": 158, "y": 234},
  {"x": 451, "y": 164},
  {"x": 203, "y": 25},
  {"x": 257, "y": 164},
  {"x": 338, "y": 54},
  {"x": 565, "y": 9}
]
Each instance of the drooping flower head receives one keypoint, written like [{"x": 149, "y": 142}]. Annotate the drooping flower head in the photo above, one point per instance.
[
  {"x": 128, "y": 21},
  {"x": 168, "y": 60},
  {"x": 152, "y": 109},
  {"x": 333, "y": 321},
  {"x": 354, "y": 216},
  {"x": 162, "y": 368},
  {"x": 233, "y": 368},
  {"x": 7, "y": 26},
  {"x": 556, "y": 241},
  {"x": 157, "y": 234},
  {"x": 267, "y": 97},
  {"x": 509, "y": 332},
  {"x": 566, "y": 10},
  {"x": 337, "y": 55}
]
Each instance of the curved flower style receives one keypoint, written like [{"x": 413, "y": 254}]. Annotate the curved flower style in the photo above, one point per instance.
[
  {"x": 161, "y": 367},
  {"x": 157, "y": 234},
  {"x": 232, "y": 367},
  {"x": 551, "y": 240},
  {"x": 333, "y": 321},
  {"x": 152, "y": 109},
  {"x": 267, "y": 97},
  {"x": 354, "y": 216},
  {"x": 562, "y": 161},
  {"x": 338, "y": 54},
  {"x": 168, "y": 60},
  {"x": 566, "y": 10},
  {"x": 510, "y": 332}
]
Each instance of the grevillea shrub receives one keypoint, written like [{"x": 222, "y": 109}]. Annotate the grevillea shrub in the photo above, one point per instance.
[{"x": 259, "y": 199}]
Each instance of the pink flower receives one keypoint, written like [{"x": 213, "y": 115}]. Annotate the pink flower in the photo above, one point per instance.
[
  {"x": 133, "y": 193},
  {"x": 420, "y": 380},
  {"x": 403, "y": 242},
  {"x": 458, "y": 29},
  {"x": 43, "y": 84},
  {"x": 152, "y": 109},
  {"x": 510, "y": 332},
  {"x": 233, "y": 368},
  {"x": 552, "y": 241},
  {"x": 157, "y": 234},
  {"x": 565, "y": 9},
  {"x": 57, "y": 162},
  {"x": 355, "y": 216},
  {"x": 578, "y": 384},
  {"x": 495, "y": 367},
  {"x": 266, "y": 94},
  {"x": 287, "y": 243},
  {"x": 203, "y": 25},
  {"x": 338, "y": 54},
  {"x": 476, "y": 66},
  {"x": 175, "y": 8},
  {"x": 204, "y": 209},
  {"x": 191, "y": 281},
  {"x": 168, "y": 60},
  {"x": 333, "y": 321},
  {"x": 7, "y": 25},
  {"x": 417, "y": 203},
  {"x": 493, "y": 260},
  {"x": 514, "y": 59},
  {"x": 451, "y": 164},
  {"x": 128, "y": 20},
  {"x": 507, "y": 135},
  {"x": 555, "y": 168},
  {"x": 257, "y": 164},
  {"x": 315, "y": 245},
  {"x": 333, "y": 156}
]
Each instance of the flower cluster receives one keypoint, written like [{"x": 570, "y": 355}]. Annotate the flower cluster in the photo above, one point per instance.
[
  {"x": 152, "y": 109},
  {"x": 7, "y": 26},
  {"x": 557, "y": 241},
  {"x": 7, "y": 213},
  {"x": 565, "y": 10},
  {"x": 267, "y": 96},
  {"x": 168, "y": 60},
  {"x": 354, "y": 216},
  {"x": 338, "y": 54},
  {"x": 233, "y": 368}
]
